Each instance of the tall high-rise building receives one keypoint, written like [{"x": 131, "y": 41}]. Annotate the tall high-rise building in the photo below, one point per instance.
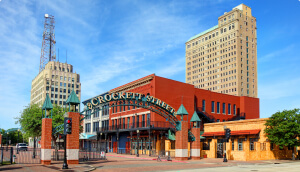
[
  {"x": 224, "y": 58},
  {"x": 58, "y": 80}
]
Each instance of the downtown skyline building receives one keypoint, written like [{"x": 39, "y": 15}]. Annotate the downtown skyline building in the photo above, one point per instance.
[
  {"x": 58, "y": 80},
  {"x": 223, "y": 58}
]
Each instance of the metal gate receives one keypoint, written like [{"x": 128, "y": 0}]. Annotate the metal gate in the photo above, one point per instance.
[
  {"x": 57, "y": 155},
  {"x": 29, "y": 156}
]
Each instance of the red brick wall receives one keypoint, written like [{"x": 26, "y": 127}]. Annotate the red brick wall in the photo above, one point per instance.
[
  {"x": 196, "y": 144},
  {"x": 176, "y": 93},
  {"x": 182, "y": 136},
  {"x": 250, "y": 106},
  {"x": 73, "y": 139},
  {"x": 46, "y": 133},
  {"x": 0, "y": 139}
]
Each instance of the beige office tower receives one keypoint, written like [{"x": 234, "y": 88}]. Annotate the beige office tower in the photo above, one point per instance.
[
  {"x": 58, "y": 80},
  {"x": 224, "y": 58}
]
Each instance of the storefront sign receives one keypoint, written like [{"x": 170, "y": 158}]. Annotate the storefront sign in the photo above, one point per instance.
[{"x": 129, "y": 96}]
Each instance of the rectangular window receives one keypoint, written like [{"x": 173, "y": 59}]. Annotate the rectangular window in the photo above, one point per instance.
[
  {"x": 95, "y": 126},
  {"x": 271, "y": 146},
  {"x": 240, "y": 144},
  {"x": 252, "y": 145},
  {"x": 229, "y": 108},
  {"x": 137, "y": 121},
  {"x": 232, "y": 144},
  {"x": 148, "y": 120},
  {"x": 133, "y": 122},
  {"x": 213, "y": 107},
  {"x": 128, "y": 122},
  {"x": 143, "y": 120},
  {"x": 262, "y": 146},
  {"x": 88, "y": 127},
  {"x": 206, "y": 144},
  {"x": 224, "y": 108},
  {"x": 203, "y": 105},
  {"x": 234, "y": 109},
  {"x": 218, "y": 107},
  {"x": 123, "y": 123}
]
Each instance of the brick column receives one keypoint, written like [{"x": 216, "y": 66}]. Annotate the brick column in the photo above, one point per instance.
[
  {"x": 0, "y": 140},
  {"x": 46, "y": 141},
  {"x": 195, "y": 145},
  {"x": 181, "y": 144},
  {"x": 73, "y": 139}
]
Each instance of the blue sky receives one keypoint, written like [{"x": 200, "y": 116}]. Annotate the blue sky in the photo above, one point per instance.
[{"x": 113, "y": 42}]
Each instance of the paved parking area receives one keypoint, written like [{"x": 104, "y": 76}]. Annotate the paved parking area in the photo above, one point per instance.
[{"x": 130, "y": 163}]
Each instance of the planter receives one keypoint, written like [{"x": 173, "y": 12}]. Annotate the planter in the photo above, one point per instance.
[{"x": 204, "y": 156}]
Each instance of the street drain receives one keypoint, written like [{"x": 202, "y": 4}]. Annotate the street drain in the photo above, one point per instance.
[{"x": 276, "y": 163}]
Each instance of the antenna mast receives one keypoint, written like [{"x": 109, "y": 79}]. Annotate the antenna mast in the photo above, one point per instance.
[{"x": 48, "y": 44}]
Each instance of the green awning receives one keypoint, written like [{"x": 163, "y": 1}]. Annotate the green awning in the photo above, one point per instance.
[
  {"x": 171, "y": 135},
  {"x": 201, "y": 133}
]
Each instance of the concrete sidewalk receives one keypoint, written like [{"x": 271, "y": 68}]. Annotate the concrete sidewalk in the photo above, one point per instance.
[{"x": 119, "y": 163}]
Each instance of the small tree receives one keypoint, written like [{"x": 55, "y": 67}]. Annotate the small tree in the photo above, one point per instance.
[
  {"x": 283, "y": 129},
  {"x": 31, "y": 120}
]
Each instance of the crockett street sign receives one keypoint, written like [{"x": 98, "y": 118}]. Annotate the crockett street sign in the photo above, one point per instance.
[{"x": 129, "y": 96}]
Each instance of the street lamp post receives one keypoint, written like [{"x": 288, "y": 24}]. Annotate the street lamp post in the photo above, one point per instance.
[
  {"x": 7, "y": 141},
  {"x": 225, "y": 158},
  {"x": 138, "y": 143},
  {"x": 18, "y": 141}
]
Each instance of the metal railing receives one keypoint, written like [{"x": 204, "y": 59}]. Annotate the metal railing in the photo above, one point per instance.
[{"x": 152, "y": 124}]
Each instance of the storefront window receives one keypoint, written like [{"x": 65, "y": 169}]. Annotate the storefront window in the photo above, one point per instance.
[
  {"x": 206, "y": 144},
  {"x": 240, "y": 144},
  {"x": 252, "y": 145}
]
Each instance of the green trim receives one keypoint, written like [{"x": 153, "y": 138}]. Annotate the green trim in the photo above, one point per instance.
[
  {"x": 195, "y": 117},
  {"x": 204, "y": 32},
  {"x": 178, "y": 125},
  {"x": 182, "y": 110},
  {"x": 191, "y": 136},
  {"x": 201, "y": 133},
  {"x": 171, "y": 135},
  {"x": 47, "y": 103},
  {"x": 73, "y": 99}
]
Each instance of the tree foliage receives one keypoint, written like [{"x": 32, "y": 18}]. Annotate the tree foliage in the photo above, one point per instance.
[
  {"x": 283, "y": 128},
  {"x": 12, "y": 136},
  {"x": 31, "y": 119}
]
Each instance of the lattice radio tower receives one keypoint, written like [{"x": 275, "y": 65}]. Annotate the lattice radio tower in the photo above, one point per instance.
[{"x": 48, "y": 45}]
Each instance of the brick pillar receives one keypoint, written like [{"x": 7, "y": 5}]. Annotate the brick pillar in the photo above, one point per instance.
[
  {"x": 181, "y": 144},
  {"x": 73, "y": 139},
  {"x": 195, "y": 145},
  {"x": 0, "y": 140},
  {"x": 46, "y": 141}
]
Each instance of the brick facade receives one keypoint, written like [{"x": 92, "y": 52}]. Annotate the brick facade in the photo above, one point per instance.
[
  {"x": 175, "y": 93},
  {"x": 181, "y": 144},
  {"x": 73, "y": 139},
  {"x": 46, "y": 141},
  {"x": 195, "y": 145}
]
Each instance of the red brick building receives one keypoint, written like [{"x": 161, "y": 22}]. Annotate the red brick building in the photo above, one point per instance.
[{"x": 130, "y": 125}]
